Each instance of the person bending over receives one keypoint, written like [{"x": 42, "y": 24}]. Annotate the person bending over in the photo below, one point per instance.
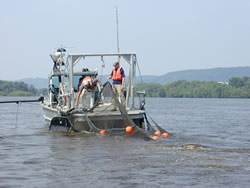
[{"x": 87, "y": 84}]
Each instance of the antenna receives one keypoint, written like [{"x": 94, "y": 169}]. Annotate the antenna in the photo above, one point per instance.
[{"x": 117, "y": 32}]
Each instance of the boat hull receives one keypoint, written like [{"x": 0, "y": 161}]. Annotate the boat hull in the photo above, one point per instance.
[{"x": 101, "y": 119}]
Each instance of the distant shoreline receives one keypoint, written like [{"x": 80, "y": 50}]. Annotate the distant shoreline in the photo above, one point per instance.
[{"x": 235, "y": 88}]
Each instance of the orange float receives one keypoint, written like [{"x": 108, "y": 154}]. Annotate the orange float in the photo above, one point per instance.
[
  {"x": 157, "y": 132},
  {"x": 155, "y": 137},
  {"x": 129, "y": 129},
  {"x": 164, "y": 135},
  {"x": 102, "y": 131}
]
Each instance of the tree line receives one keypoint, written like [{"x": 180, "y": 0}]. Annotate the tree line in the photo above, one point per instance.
[
  {"x": 9, "y": 88},
  {"x": 235, "y": 88}
]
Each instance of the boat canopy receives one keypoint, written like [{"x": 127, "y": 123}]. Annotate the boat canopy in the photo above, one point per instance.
[
  {"x": 130, "y": 58},
  {"x": 70, "y": 73}
]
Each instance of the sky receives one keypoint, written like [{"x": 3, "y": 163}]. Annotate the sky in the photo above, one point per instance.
[{"x": 167, "y": 35}]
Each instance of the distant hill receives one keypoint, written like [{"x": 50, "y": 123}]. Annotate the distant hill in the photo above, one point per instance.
[
  {"x": 214, "y": 74},
  {"x": 36, "y": 82}
]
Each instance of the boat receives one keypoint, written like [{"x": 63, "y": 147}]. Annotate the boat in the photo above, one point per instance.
[
  {"x": 98, "y": 117},
  {"x": 59, "y": 109}
]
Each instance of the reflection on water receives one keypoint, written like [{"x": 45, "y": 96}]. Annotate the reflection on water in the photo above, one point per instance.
[{"x": 210, "y": 148}]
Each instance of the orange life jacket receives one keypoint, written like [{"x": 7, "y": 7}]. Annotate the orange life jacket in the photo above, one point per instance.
[
  {"x": 117, "y": 75},
  {"x": 89, "y": 80}
]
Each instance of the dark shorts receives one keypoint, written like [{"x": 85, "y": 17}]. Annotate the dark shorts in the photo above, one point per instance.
[{"x": 117, "y": 82}]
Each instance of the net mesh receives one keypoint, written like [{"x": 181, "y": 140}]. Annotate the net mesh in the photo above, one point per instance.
[{"x": 105, "y": 96}]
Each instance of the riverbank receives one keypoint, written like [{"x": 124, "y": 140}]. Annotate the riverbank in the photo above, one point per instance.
[
  {"x": 235, "y": 88},
  {"x": 10, "y": 88}
]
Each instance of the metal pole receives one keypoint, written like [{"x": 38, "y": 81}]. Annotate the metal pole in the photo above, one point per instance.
[
  {"x": 132, "y": 81},
  {"x": 71, "y": 84},
  {"x": 117, "y": 33}
]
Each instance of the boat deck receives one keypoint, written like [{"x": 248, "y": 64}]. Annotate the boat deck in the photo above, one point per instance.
[
  {"x": 101, "y": 111},
  {"x": 106, "y": 110}
]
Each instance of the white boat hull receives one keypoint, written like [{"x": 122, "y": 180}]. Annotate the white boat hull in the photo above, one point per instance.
[{"x": 102, "y": 117}]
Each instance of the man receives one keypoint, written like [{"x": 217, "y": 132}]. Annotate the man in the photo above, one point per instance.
[
  {"x": 87, "y": 84},
  {"x": 118, "y": 77}
]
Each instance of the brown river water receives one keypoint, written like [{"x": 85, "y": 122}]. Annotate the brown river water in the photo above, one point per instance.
[{"x": 210, "y": 148}]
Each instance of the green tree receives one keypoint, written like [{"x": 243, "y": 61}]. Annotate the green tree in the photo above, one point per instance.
[
  {"x": 42, "y": 91},
  {"x": 16, "y": 88},
  {"x": 20, "y": 93},
  {"x": 236, "y": 82},
  {"x": 238, "y": 88}
]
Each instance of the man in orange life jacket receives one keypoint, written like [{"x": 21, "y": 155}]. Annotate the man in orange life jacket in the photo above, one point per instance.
[
  {"x": 88, "y": 83},
  {"x": 118, "y": 77}
]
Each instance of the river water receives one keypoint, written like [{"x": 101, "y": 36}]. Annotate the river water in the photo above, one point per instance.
[{"x": 210, "y": 148}]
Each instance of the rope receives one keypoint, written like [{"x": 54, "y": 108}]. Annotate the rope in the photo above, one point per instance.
[
  {"x": 93, "y": 128},
  {"x": 18, "y": 104},
  {"x": 137, "y": 131},
  {"x": 139, "y": 70},
  {"x": 103, "y": 65},
  {"x": 151, "y": 129},
  {"x": 158, "y": 126}
]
